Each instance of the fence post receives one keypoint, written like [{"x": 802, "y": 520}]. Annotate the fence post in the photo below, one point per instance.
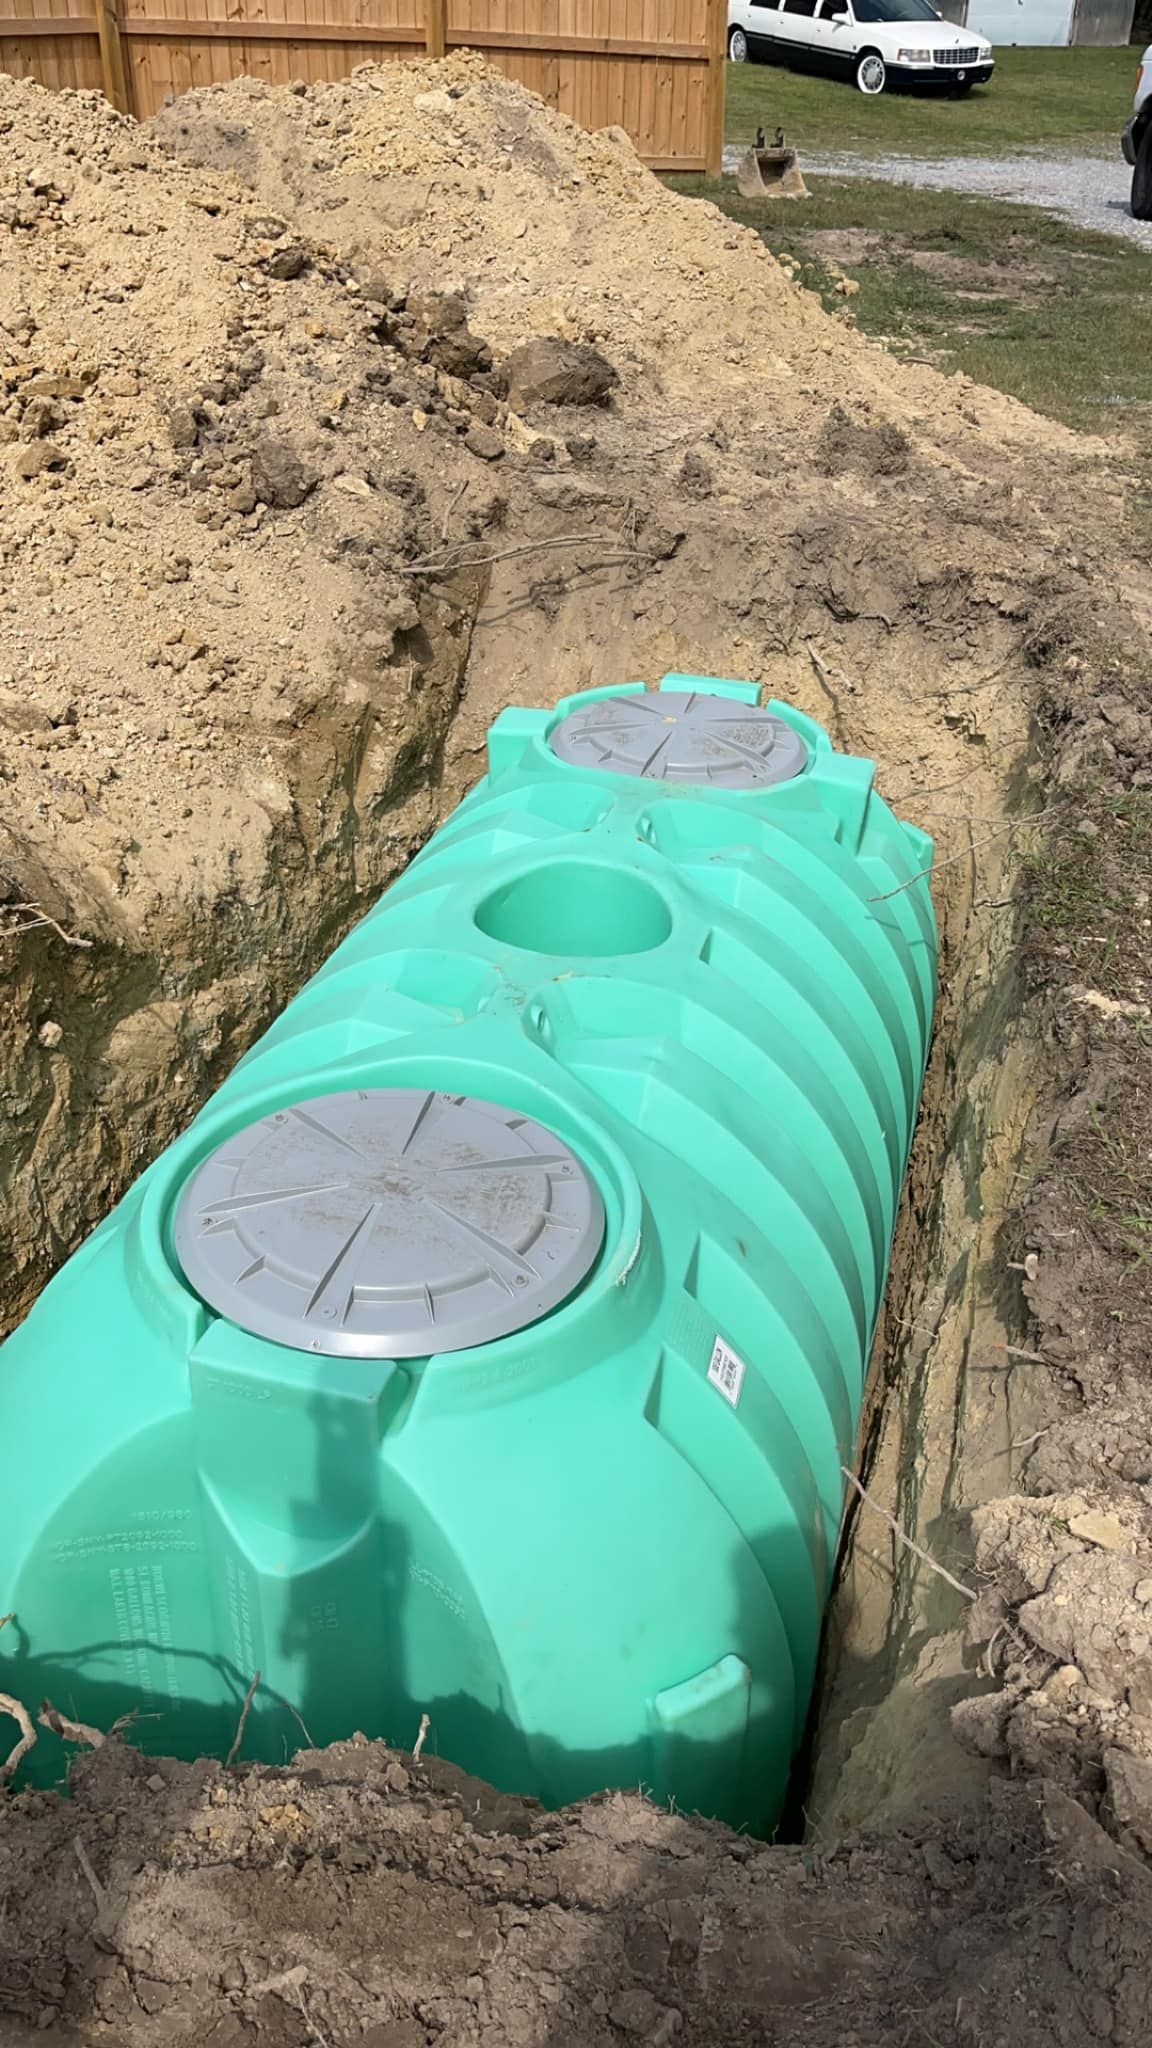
[
  {"x": 113, "y": 74},
  {"x": 717, "y": 83},
  {"x": 435, "y": 26}
]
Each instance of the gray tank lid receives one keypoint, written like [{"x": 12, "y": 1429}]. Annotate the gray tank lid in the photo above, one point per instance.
[
  {"x": 682, "y": 736},
  {"x": 388, "y": 1223}
]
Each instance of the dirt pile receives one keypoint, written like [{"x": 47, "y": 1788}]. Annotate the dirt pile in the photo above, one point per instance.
[
  {"x": 453, "y": 174},
  {"x": 332, "y": 421},
  {"x": 211, "y": 677},
  {"x": 360, "y": 1898}
]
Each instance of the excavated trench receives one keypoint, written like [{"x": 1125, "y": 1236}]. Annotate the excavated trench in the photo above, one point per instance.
[
  {"x": 946, "y": 1425},
  {"x": 939, "y": 1425}
]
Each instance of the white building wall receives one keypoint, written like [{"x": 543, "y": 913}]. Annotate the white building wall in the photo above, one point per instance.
[{"x": 1045, "y": 23}]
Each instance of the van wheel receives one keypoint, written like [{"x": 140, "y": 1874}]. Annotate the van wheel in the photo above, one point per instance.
[
  {"x": 871, "y": 72},
  {"x": 737, "y": 46},
  {"x": 1142, "y": 177}
]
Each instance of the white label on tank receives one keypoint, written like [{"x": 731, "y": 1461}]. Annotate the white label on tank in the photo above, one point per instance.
[{"x": 726, "y": 1371}]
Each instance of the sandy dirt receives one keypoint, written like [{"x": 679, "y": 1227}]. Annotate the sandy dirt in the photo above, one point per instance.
[{"x": 280, "y": 501}]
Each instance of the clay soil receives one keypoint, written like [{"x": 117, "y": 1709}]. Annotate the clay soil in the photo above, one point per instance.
[{"x": 286, "y": 516}]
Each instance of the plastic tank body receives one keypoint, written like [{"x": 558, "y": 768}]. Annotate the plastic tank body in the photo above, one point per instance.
[{"x": 490, "y": 1345}]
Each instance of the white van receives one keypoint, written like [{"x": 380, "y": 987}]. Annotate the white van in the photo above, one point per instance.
[{"x": 874, "y": 42}]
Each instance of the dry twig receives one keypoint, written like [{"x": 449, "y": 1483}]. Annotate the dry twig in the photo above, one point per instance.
[
  {"x": 27, "y": 1741},
  {"x": 320, "y": 2039},
  {"x": 904, "y": 1537},
  {"x": 451, "y": 508},
  {"x": 418, "y": 1745},
  {"x": 1021, "y": 1443},
  {"x": 242, "y": 1723},
  {"x": 72, "y": 1731},
  {"x": 461, "y": 557},
  {"x": 825, "y": 669},
  {"x": 1012, "y": 825},
  {"x": 37, "y": 920},
  {"x": 301, "y": 1724},
  {"x": 85, "y": 1862}
]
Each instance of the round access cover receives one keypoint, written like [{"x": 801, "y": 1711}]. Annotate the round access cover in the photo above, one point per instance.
[
  {"x": 682, "y": 736},
  {"x": 388, "y": 1223}
]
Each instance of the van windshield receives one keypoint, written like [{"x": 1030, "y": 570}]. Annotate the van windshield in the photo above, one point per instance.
[{"x": 894, "y": 10}]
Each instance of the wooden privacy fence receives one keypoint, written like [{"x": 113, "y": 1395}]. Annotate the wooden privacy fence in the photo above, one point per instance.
[{"x": 653, "y": 67}]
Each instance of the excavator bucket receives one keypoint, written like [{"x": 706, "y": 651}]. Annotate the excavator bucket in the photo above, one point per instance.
[{"x": 770, "y": 174}]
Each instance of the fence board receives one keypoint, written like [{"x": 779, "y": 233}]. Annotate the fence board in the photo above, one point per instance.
[{"x": 653, "y": 67}]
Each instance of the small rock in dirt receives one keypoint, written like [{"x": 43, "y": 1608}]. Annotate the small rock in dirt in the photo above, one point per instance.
[
  {"x": 284, "y": 264},
  {"x": 56, "y": 387},
  {"x": 183, "y": 431},
  {"x": 484, "y": 442},
  {"x": 695, "y": 476},
  {"x": 40, "y": 417},
  {"x": 1103, "y": 1530},
  {"x": 394, "y": 2034},
  {"x": 635, "y": 2011},
  {"x": 280, "y": 477},
  {"x": 152, "y": 1993},
  {"x": 942, "y": 1872},
  {"x": 120, "y": 384},
  {"x": 581, "y": 447},
  {"x": 985, "y": 1615},
  {"x": 549, "y": 371},
  {"x": 59, "y": 704},
  {"x": 18, "y": 715},
  {"x": 40, "y": 456},
  {"x": 1129, "y": 1780},
  {"x": 50, "y": 1035},
  {"x": 662, "y": 541},
  {"x": 980, "y": 1724}
]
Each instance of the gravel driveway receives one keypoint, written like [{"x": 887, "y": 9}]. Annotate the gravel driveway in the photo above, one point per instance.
[{"x": 1090, "y": 190}]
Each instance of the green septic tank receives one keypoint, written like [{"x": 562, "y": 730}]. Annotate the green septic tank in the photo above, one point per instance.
[{"x": 490, "y": 1345}]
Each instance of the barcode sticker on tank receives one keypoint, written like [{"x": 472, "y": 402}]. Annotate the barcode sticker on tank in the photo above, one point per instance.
[{"x": 726, "y": 1371}]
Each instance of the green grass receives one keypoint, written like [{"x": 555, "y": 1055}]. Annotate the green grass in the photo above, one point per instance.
[
  {"x": 1053, "y": 99},
  {"x": 1051, "y": 313}
]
